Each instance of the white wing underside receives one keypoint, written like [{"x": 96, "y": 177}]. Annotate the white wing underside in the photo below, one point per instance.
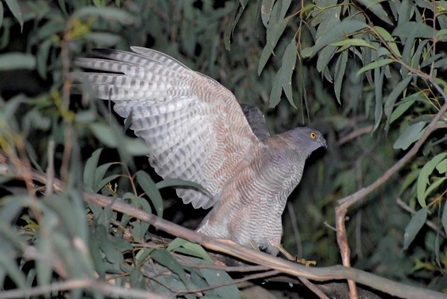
[{"x": 193, "y": 126}]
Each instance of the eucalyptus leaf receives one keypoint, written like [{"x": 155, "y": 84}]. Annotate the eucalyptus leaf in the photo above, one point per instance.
[
  {"x": 89, "y": 177},
  {"x": 409, "y": 135},
  {"x": 374, "y": 65},
  {"x": 149, "y": 187},
  {"x": 444, "y": 217},
  {"x": 108, "y": 13},
  {"x": 389, "y": 39},
  {"x": 420, "y": 30},
  {"x": 218, "y": 277},
  {"x": 414, "y": 226},
  {"x": 14, "y": 60},
  {"x": 14, "y": 7},
  {"x": 337, "y": 33},
  {"x": 423, "y": 179}
]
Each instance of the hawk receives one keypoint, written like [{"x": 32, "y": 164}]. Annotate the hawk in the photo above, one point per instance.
[{"x": 197, "y": 131}]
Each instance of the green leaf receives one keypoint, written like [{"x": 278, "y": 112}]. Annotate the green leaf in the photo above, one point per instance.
[
  {"x": 164, "y": 258},
  {"x": 376, "y": 8},
  {"x": 275, "y": 93},
  {"x": 275, "y": 29},
  {"x": 337, "y": 33},
  {"x": 287, "y": 68},
  {"x": 409, "y": 135},
  {"x": 10, "y": 267},
  {"x": 435, "y": 184},
  {"x": 217, "y": 277},
  {"x": 108, "y": 13},
  {"x": 351, "y": 42},
  {"x": 14, "y": 7},
  {"x": 1, "y": 14},
  {"x": 423, "y": 178},
  {"x": 417, "y": 29},
  {"x": 17, "y": 60},
  {"x": 43, "y": 269},
  {"x": 197, "y": 250},
  {"x": 176, "y": 243},
  {"x": 378, "y": 84},
  {"x": 405, "y": 11},
  {"x": 324, "y": 57},
  {"x": 89, "y": 176},
  {"x": 103, "y": 39},
  {"x": 186, "y": 247},
  {"x": 180, "y": 183},
  {"x": 340, "y": 68},
  {"x": 442, "y": 166},
  {"x": 404, "y": 104},
  {"x": 42, "y": 57},
  {"x": 105, "y": 133},
  {"x": 444, "y": 217},
  {"x": 441, "y": 35},
  {"x": 148, "y": 185},
  {"x": 266, "y": 10},
  {"x": 137, "y": 280},
  {"x": 139, "y": 228},
  {"x": 388, "y": 39},
  {"x": 374, "y": 65},
  {"x": 414, "y": 226},
  {"x": 392, "y": 97}
]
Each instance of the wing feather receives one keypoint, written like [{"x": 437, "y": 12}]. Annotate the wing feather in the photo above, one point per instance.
[{"x": 193, "y": 126}]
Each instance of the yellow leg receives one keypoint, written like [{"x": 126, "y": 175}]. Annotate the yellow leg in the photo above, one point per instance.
[
  {"x": 295, "y": 258},
  {"x": 254, "y": 245}
]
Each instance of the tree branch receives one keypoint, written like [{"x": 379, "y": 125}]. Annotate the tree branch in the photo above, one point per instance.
[{"x": 246, "y": 254}]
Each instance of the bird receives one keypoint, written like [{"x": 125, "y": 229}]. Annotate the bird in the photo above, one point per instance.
[{"x": 197, "y": 131}]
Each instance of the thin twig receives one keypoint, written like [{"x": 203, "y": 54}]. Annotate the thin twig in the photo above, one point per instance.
[
  {"x": 50, "y": 168},
  {"x": 355, "y": 134}
]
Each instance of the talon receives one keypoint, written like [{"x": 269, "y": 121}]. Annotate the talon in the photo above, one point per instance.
[
  {"x": 295, "y": 258},
  {"x": 305, "y": 262},
  {"x": 254, "y": 245}
]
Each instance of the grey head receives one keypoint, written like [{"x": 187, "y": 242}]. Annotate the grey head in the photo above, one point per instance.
[{"x": 305, "y": 140}]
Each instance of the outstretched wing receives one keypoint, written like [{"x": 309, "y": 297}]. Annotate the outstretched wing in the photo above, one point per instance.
[{"x": 193, "y": 126}]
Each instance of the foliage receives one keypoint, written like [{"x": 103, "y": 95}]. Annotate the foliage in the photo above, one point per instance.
[{"x": 370, "y": 75}]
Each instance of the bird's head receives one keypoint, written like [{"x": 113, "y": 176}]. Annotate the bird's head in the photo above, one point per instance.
[{"x": 306, "y": 140}]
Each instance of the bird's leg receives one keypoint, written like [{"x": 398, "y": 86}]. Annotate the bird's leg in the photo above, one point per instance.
[
  {"x": 295, "y": 258},
  {"x": 254, "y": 245}
]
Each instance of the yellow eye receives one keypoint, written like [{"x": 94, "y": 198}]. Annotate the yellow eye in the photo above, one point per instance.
[{"x": 313, "y": 135}]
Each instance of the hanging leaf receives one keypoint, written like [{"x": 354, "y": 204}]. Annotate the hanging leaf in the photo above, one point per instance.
[
  {"x": 287, "y": 68},
  {"x": 409, "y": 135},
  {"x": 444, "y": 217},
  {"x": 414, "y": 226},
  {"x": 90, "y": 170},
  {"x": 337, "y": 33},
  {"x": 392, "y": 97},
  {"x": 423, "y": 179},
  {"x": 266, "y": 10},
  {"x": 388, "y": 39},
  {"x": 148, "y": 185},
  {"x": 340, "y": 68},
  {"x": 17, "y": 61},
  {"x": 374, "y": 65},
  {"x": 14, "y": 7}
]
